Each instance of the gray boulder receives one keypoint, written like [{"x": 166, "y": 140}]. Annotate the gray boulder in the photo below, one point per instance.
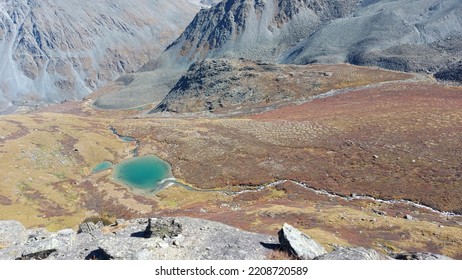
[
  {"x": 299, "y": 244},
  {"x": 11, "y": 253},
  {"x": 49, "y": 242},
  {"x": 90, "y": 226},
  {"x": 356, "y": 253},
  {"x": 129, "y": 248},
  {"x": 12, "y": 233}
]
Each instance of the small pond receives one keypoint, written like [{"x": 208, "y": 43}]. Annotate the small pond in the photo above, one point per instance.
[
  {"x": 144, "y": 173},
  {"x": 102, "y": 166}
]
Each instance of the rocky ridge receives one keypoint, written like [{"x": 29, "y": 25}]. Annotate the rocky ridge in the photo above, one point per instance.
[
  {"x": 408, "y": 35},
  {"x": 224, "y": 86},
  {"x": 252, "y": 29},
  {"x": 171, "y": 238}
]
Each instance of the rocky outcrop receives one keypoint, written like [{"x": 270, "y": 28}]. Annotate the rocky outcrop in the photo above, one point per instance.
[
  {"x": 299, "y": 244},
  {"x": 172, "y": 239},
  {"x": 451, "y": 72},
  {"x": 159, "y": 238},
  {"x": 90, "y": 226},
  {"x": 38, "y": 243},
  {"x": 230, "y": 85},
  {"x": 163, "y": 228}
]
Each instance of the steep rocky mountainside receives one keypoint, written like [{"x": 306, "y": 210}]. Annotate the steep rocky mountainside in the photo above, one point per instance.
[
  {"x": 52, "y": 50},
  {"x": 253, "y": 29},
  {"x": 409, "y": 35}
]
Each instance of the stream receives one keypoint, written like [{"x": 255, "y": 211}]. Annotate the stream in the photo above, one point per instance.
[
  {"x": 124, "y": 138},
  {"x": 172, "y": 181}
]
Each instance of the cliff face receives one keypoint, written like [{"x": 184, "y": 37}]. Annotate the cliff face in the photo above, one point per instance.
[
  {"x": 53, "y": 50},
  {"x": 254, "y": 29}
]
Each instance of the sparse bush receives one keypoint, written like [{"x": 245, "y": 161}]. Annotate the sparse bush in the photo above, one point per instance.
[{"x": 279, "y": 254}]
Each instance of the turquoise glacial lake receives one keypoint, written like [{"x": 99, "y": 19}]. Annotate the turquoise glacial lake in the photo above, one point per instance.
[
  {"x": 102, "y": 166},
  {"x": 143, "y": 173}
]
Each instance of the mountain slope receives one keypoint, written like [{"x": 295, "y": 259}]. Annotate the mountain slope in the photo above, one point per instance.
[
  {"x": 253, "y": 29},
  {"x": 57, "y": 50},
  {"x": 422, "y": 35}
]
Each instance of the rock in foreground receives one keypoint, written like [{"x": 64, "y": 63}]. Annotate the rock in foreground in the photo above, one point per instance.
[
  {"x": 172, "y": 239},
  {"x": 143, "y": 239},
  {"x": 11, "y": 233},
  {"x": 299, "y": 244}
]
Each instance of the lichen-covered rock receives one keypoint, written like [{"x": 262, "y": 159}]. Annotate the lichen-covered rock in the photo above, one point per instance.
[
  {"x": 162, "y": 228},
  {"x": 355, "y": 253},
  {"x": 11, "y": 233},
  {"x": 199, "y": 240},
  {"x": 129, "y": 248},
  {"x": 90, "y": 226},
  {"x": 61, "y": 241},
  {"x": 299, "y": 244}
]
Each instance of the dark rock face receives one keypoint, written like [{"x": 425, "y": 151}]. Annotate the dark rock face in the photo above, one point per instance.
[
  {"x": 252, "y": 29},
  {"x": 299, "y": 244},
  {"x": 357, "y": 253},
  {"x": 451, "y": 73},
  {"x": 420, "y": 256},
  {"x": 203, "y": 80},
  {"x": 163, "y": 228},
  {"x": 230, "y": 85}
]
